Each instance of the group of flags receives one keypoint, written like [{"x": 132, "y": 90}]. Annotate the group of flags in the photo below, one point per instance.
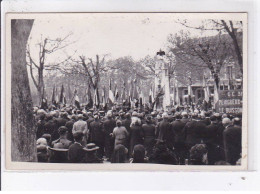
[{"x": 134, "y": 96}]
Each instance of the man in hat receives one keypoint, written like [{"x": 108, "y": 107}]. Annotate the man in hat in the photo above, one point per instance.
[
  {"x": 109, "y": 125},
  {"x": 91, "y": 154},
  {"x": 81, "y": 126},
  {"x": 97, "y": 135},
  {"x": 165, "y": 132},
  {"x": 179, "y": 138},
  {"x": 194, "y": 131},
  {"x": 232, "y": 137},
  {"x": 76, "y": 151},
  {"x": 185, "y": 118},
  {"x": 213, "y": 140}
]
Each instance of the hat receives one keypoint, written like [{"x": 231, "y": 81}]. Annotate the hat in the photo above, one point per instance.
[
  {"x": 165, "y": 115},
  {"x": 62, "y": 130},
  {"x": 91, "y": 147},
  {"x": 41, "y": 141},
  {"x": 135, "y": 114},
  {"x": 184, "y": 113}
]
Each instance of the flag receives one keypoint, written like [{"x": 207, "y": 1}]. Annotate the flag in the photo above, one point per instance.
[
  {"x": 206, "y": 89},
  {"x": 151, "y": 97},
  {"x": 135, "y": 93},
  {"x": 123, "y": 93},
  {"x": 56, "y": 96},
  {"x": 111, "y": 94},
  {"x": 53, "y": 96},
  {"x": 62, "y": 95},
  {"x": 96, "y": 98},
  {"x": 77, "y": 103},
  {"x": 190, "y": 94},
  {"x": 116, "y": 94},
  {"x": 89, "y": 97},
  {"x": 216, "y": 97},
  {"x": 104, "y": 97},
  {"x": 177, "y": 94}
]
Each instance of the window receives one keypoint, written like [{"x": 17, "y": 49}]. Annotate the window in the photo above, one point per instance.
[{"x": 185, "y": 92}]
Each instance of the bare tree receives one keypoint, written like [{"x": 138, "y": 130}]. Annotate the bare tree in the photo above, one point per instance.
[
  {"x": 201, "y": 53},
  {"x": 46, "y": 46},
  {"x": 233, "y": 28}
]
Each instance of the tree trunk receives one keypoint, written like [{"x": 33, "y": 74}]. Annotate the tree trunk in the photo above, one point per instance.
[{"x": 23, "y": 145}]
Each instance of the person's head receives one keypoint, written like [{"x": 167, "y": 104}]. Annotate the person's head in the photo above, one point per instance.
[
  {"x": 198, "y": 153},
  {"x": 128, "y": 115},
  {"x": 96, "y": 117},
  {"x": 138, "y": 153},
  {"x": 118, "y": 123},
  {"x": 177, "y": 116},
  {"x": 165, "y": 116},
  {"x": 109, "y": 114},
  {"x": 119, "y": 155},
  {"x": 74, "y": 117},
  {"x": 213, "y": 119},
  {"x": 226, "y": 122},
  {"x": 237, "y": 121},
  {"x": 224, "y": 116},
  {"x": 194, "y": 115},
  {"x": 63, "y": 131},
  {"x": 48, "y": 117},
  {"x": 41, "y": 141},
  {"x": 135, "y": 114},
  {"x": 80, "y": 116},
  {"x": 149, "y": 119},
  {"x": 78, "y": 136},
  {"x": 64, "y": 115},
  {"x": 184, "y": 115}
]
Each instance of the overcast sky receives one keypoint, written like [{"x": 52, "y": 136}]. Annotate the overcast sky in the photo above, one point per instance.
[{"x": 118, "y": 35}]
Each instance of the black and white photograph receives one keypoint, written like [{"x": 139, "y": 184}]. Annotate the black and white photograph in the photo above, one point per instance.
[{"x": 122, "y": 91}]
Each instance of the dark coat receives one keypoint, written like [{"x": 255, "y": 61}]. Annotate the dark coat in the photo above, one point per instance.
[
  {"x": 51, "y": 126},
  {"x": 126, "y": 123},
  {"x": 109, "y": 125},
  {"x": 59, "y": 122},
  {"x": 69, "y": 124},
  {"x": 207, "y": 121},
  {"x": 177, "y": 129},
  {"x": 232, "y": 143},
  {"x": 213, "y": 141},
  {"x": 165, "y": 133},
  {"x": 96, "y": 132},
  {"x": 194, "y": 132},
  {"x": 136, "y": 136},
  {"x": 149, "y": 137},
  {"x": 76, "y": 153},
  {"x": 40, "y": 128}
]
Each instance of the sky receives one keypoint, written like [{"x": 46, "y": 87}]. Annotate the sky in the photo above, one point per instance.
[{"x": 115, "y": 35}]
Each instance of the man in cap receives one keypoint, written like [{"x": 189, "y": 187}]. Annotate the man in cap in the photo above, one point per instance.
[
  {"x": 109, "y": 125},
  {"x": 232, "y": 137},
  {"x": 91, "y": 153},
  {"x": 81, "y": 126}
]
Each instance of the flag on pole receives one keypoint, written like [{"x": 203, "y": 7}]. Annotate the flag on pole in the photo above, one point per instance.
[
  {"x": 177, "y": 94},
  {"x": 216, "y": 97},
  {"x": 206, "y": 89},
  {"x": 104, "y": 97},
  {"x": 151, "y": 97},
  {"x": 62, "y": 95},
  {"x": 111, "y": 94},
  {"x": 56, "y": 96},
  {"x": 95, "y": 98},
  {"x": 135, "y": 92},
  {"x": 77, "y": 103},
  {"x": 53, "y": 100},
  {"x": 123, "y": 93}
]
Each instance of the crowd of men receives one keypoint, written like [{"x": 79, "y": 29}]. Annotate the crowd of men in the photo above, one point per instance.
[{"x": 177, "y": 137}]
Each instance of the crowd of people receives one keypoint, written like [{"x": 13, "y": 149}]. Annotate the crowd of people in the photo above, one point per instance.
[{"x": 177, "y": 137}]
